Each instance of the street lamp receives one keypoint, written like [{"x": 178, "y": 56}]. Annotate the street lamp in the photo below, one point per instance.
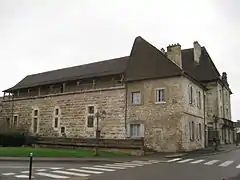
[
  {"x": 99, "y": 115},
  {"x": 215, "y": 118}
]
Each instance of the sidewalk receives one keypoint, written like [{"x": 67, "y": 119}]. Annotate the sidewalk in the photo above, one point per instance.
[{"x": 200, "y": 152}]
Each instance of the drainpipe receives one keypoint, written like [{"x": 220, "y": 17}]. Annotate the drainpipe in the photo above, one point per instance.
[
  {"x": 126, "y": 103},
  {"x": 204, "y": 118}
]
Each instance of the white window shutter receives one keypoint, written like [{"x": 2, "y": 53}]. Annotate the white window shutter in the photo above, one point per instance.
[{"x": 142, "y": 130}]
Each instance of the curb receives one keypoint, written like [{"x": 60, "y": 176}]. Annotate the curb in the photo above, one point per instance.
[{"x": 61, "y": 160}]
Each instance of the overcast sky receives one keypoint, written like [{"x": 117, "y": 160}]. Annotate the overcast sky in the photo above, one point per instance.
[{"x": 41, "y": 35}]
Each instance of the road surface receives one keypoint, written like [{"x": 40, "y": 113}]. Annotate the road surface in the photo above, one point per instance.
[{"x": 212, "y": 168}]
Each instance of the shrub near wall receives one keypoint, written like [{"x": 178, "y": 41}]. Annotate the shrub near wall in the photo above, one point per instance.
[{"x": 12, "y": 139}]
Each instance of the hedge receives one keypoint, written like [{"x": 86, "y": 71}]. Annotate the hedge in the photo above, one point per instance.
[{"x": 15, "y": 139}]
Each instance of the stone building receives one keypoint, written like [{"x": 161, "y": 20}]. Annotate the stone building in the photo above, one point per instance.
[{"x": 167, "y": 98}]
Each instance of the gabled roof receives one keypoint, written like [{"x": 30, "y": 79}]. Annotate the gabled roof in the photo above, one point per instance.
[
  {"x": 102, "y": 68},
  {"x": 146, "y": 62},
  {"x": 205, "y": 70}
]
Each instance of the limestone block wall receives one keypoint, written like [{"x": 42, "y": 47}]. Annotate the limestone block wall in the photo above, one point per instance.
[
  {"x": 73, "y": 112},
  {"x": 162, "y": 121}
]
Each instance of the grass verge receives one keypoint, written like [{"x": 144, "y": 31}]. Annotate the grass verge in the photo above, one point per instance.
[{"x": 48, "y": 152}]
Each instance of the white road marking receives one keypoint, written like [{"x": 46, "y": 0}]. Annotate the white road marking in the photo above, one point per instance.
[
  {"x": 174, "y": 160},
  {"x": 198, "y": 161},
  {"x": 85, "y": 171},
  {"x": 226, "y": 163},
  {"x": 128, "y": 164},
  {"x": 51, "y": 175},
  {"x": 109, "y": 166},
  {"x": 238, "y": 166},
  {"x": 211, "y": 162},
  {"x": 8, "y": 174},
  {"x": 122, "y": 165},
  {"x": 98, "y": 169},
  {"x": 71, "y": 173},
  {"x": 23, "y": 176},
  {"x": 22, "y": 167},
  {"x": 154, "y": 161},
  {"x": 185, "y": 160},
  {"x": 141, "y": 162},
  {"x": 56, "y": 168},
  {"x": 24, "y": 172},
  {"x": 41, "y": 170}
]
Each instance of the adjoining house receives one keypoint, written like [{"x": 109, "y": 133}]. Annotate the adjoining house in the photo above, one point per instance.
[{"x": 176, "y": 100}]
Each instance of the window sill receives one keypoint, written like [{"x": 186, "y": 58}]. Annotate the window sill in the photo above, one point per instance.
[
  {"x": 164, "y": 102},
  {"x": 137, "y": 104}
]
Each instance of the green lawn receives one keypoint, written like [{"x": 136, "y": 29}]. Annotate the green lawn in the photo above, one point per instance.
[{"x": 47, "y": 152}]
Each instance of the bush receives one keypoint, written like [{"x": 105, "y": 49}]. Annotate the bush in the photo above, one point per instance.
[{"x": 12, "y": 139}]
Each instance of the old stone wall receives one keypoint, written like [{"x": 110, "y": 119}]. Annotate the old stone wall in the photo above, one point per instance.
[
  {"x": 73, "y": 109},
  {"x": 162, "y": 121},
  {"x": 193, "y": 119}
]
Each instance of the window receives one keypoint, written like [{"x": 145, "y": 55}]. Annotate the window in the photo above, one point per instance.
[
  {"x": 191, "y": 130},
  {"x": 35, "y": 121},
  {"x": 62, "y": 130},
  {"x": 90, "y": 116},
  {"x": 221, "y": 111},
  {"x": 136, "y": 98},
  {"x": 35, "y": 112},
  {"x": 199, "y": 99},
  {"x": 56, "y": 118},
  {"x": 135, "y": 130},
  {"x": 200, "y": 131},
  {"x": 220, "y": 92},
  {"x": 191, "y": 95},
  {"x": 160, "y": 95},
  {"x": 35, "y": 125},
  {"x": 15, "y": 121},
  {"x": 56, "y": 111},
  {"x": 227, "y": 115},
  {"x": 56, "y": 122}
]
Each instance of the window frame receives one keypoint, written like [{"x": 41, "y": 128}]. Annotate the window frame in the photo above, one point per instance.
[
  {"x": 13, "y": 123},
  {"x": 92, "y": 114},
  {"x": 190, "y": 95},
  {"x": 140, "y": 130},
  {"x": 132, "y": 97},
  {"x": 56, "y": 116},
  {"x": 34, "y": 116},
  {"x": 157, "y": 90},
  {"x": 200, "y": 131}
]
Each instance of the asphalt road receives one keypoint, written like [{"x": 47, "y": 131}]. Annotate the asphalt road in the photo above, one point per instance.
[{"x": 214, "y": 167}]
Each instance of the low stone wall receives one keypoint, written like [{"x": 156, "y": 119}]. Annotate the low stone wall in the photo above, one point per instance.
[{"x": 91, "y": 142}]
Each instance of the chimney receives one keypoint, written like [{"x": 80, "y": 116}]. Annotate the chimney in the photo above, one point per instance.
[
  {"x": 197, "y": 50},
  {"x": 174, "y": 53},
  {"x": 224, "y": 76}
]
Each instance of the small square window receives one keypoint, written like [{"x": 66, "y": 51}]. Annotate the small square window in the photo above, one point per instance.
[
  {"x": 136, "y": 97},
  {"x": 91, "y": 110},
  {"x": 90, "y": 121},
  {"x": 56, "y": 122},
  {"x": 135, "y": 130},
  {"x": 35, "y": 112},
  {"x": 160, "y": 95}
]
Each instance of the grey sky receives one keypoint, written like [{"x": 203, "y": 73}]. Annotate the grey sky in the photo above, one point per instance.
[{"x": 41, "y": 35}]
